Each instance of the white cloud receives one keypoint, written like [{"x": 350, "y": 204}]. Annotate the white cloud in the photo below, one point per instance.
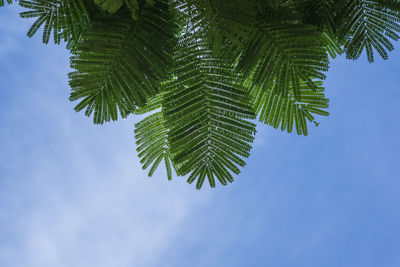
[
  {"x": 73, "y": 194},
  {"x": 83, "y": 199}
]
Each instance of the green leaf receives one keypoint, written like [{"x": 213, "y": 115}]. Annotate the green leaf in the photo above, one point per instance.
[
  {"x": 151, "y": 136},
  {"x": 220, "y": 21},
  {"x": 113, "y": 6},
  {"x": 285, "y": 111},
  {"x": 332, "y": 44},
  {"x": 152, "y": 104},
  {"x": 283, "y": 55},
  {"x": 120, "y": 63},
  {"x": 66, "y": 19},
  {"x": 208, "y": 112},
  {"x": 369, "y": 26},
  {"x": 322, "y": 13},
  {"x": 2, "y": 2}
]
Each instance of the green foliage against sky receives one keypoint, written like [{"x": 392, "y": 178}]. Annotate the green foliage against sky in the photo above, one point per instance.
[{"x": 205, "y": 69}]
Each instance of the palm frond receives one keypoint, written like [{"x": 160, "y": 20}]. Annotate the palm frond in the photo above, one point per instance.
[
  {"x": 285, "y": 111},
  {"x": 369, "y": 25},
  {"x": 207, "y": 111},
  {"x": 120, "y": 63}
]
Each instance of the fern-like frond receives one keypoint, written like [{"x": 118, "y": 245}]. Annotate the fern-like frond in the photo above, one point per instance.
[
  {"x": 282, "y": 111},
  {"x": 285, "y": 55},
  {"x": 322, "y": 13},
  {"x": 207, "y": 111},
  {"x": 66, "y": 19},
  {"x": 220, "y": 20},
  {"x": 120, "y": 63},
  {"x": 151, "y": 135},
  {"x": 113, "y": 6},
  {"x": 152, "y": 141},
  {"x": 369, "y": 25},
  {"x": 273, "y": 42},
  {"x": 331, "y": 44},
  {"x": 2, "y": 2},
  {"x": 152, "y": 104}
]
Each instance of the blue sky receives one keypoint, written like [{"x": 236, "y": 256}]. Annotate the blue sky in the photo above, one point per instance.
[{"x": 73, "y": 194}]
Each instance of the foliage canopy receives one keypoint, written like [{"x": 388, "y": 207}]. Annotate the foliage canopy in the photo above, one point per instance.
[{"x": 205, "y": 69}]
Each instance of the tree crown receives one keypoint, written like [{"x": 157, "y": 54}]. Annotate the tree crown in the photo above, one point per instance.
[{"x": 205, "y": 69}]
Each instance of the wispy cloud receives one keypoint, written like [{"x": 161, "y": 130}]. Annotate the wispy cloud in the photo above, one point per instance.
[{"x": 73, "y": 194}]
